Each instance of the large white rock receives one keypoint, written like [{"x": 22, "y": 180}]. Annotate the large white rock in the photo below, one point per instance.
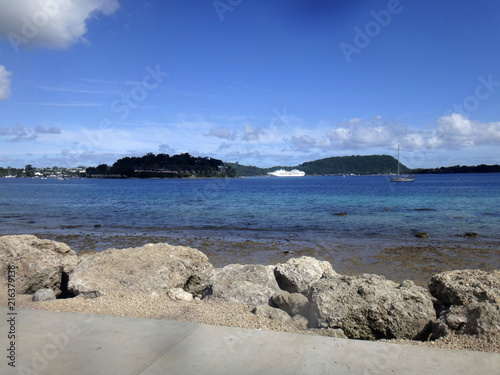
[
  {"x": 293, "y": 303},
  {"x": 252, "y": 284},
  {"x": 461, "y": 287},
  {"x": 40, "y": 263},
  {"x": 298, "y": 274},
  {"x": 45, "y": 294},
  {"x": 371, "y": 307},
  {"x": 152, "y": 267},
  {"x": 179, "y": 294},
  {"x": 481, "y": 318},
  {"x": 471, "y": 301}
]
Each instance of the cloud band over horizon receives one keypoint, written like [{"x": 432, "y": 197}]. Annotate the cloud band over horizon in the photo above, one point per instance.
[{"x": 245, "y": 142}]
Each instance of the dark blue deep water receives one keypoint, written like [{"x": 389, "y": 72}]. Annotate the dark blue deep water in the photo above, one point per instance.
[{"x": 442, "y": 205}]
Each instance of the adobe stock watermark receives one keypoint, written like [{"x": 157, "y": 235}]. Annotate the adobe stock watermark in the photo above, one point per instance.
[
  {"x": 483, "y": 91},
  {"x": 122, "y": 108},
  {"x": 12, "y": 334},
  {"x": 280, "y": 118},
  {"x": 223, "y": 6},
  {"x": 31, "y": 25},
  {"x": 364, "y": 36}
]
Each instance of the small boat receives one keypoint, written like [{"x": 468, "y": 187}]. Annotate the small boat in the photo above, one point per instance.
[
  {"x": 283, "y": 173},
  {"x": 400, "y": 177}
]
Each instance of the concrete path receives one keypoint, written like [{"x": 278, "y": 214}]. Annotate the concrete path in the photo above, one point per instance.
[{"x": 73, "y": 344}]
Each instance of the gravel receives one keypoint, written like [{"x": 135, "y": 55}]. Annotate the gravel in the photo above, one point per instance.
[{"x": 213, "y": 312}]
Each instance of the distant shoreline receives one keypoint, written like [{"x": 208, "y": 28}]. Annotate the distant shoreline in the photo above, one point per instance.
[
  {"x": 186, "y": 166},
  {"x": 108, "y": 177}
]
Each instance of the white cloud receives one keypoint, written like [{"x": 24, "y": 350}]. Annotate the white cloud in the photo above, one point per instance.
[
  {"x": 4, "y": 83},
  {"x": 224, "y": 147},
  {"x": 22, "y": 133},
  {"x": 221, "y": 132},
  {"x": 361, "y": 134},
  {"x": 457, "y": 131},
  {"x": 379, "y": 135},
  {"x": 305, "y": 143},
  {"x": 252, "y": 133},
  {"x": 450, "y": 132},
  {"x": 52, "y": 130},
  {"x": 248, "y": 133},
  {"x": 414, "y": 141},
  {"x": 166, "y": 149},
  {"x": 49, "y": 23}
]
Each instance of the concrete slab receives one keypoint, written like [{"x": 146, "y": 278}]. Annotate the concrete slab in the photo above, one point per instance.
[
  {"x": 226, "y": 350},
  {"x": 64, "y": 343}
]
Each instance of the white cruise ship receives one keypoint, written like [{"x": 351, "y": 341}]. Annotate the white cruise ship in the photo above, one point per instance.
[{"x": 283, "y": 173}]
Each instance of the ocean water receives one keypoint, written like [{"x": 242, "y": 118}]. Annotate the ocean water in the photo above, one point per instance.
[{"x": 441, "y": 205}]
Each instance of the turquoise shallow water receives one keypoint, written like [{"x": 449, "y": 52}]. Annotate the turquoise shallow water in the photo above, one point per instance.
[{"x": 442, "y": 205}]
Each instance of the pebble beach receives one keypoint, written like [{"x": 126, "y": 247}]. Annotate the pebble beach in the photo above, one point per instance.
[{"x": 221, "y": 313}]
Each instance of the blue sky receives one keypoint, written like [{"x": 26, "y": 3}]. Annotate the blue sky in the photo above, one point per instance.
[{"x": 259, "y": 82}]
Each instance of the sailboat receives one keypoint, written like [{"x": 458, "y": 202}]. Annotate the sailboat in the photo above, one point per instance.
[{"x": 402, "y": 178}]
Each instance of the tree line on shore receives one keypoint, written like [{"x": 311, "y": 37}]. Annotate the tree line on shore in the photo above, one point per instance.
[
  {"x": 482, "y": 168},
  {"x": 185, "y": 166},
  {"x": 163, "y": 166},
  {"x": 31, "y": 171}
]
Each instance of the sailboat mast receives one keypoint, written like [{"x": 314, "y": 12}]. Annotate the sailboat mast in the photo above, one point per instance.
[
  {"x": 400, "y": 178},
  {"x": 398, "y": 160}
]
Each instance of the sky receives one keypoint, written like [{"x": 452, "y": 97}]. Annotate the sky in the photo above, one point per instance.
[{"x": 257, "y": 82}]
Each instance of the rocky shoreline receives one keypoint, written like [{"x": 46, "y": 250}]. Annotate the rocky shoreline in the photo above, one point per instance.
[
  {"x": 416, "y": 260},
  {"x": 460, "y": 309}
]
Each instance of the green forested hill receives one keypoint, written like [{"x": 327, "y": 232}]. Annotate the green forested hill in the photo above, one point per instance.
[
  {"x": 372, "y": 164},
  {"x": 248, "y": 170},
  {"x": 162, "y": 166}
]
